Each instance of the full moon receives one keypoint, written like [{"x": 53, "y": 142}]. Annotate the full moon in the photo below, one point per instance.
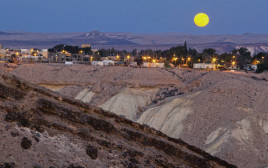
[{"x": 201, "y": 20}]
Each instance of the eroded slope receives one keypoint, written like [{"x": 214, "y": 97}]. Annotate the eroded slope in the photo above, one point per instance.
[{"x": 39, "y": 128}]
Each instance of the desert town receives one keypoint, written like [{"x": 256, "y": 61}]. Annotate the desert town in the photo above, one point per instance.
[{"x": 209, "y": 59}]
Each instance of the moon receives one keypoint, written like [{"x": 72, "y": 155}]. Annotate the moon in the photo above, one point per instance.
[{"x": 201, "y": 20}]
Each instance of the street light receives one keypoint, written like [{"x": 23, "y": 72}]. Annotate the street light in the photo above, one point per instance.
[
  {"x": 182, "y": 59},
  {"x": 233, "y": 63}
]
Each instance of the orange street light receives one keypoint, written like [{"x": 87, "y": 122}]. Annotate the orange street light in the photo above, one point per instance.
[
  {"x": 189, "y": 59},
  {"x": 233, "y": 63},
  {"x": 154, "y": 60},
  {"x": 262, "y": 57},
  {"x": 233, "y": 57},
  {"x": 81, "y": 52},
  {"x": 128, "y": 57}
]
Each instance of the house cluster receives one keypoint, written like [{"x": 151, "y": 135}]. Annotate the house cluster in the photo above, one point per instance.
[
  {"x": 23, "y": 54},
  {"x": 43, "y": 55}
]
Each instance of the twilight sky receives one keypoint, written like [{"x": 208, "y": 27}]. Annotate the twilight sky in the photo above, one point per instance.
[{"x": 137, "y": 16}]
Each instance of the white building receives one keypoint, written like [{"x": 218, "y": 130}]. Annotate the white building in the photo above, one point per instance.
[
  {"x": 251, "y": 66},
  {"x": 97, "y": 63},
  {"x": 108, "y": 63},
  {"x": 68, "y": 63},
  {"x": 103, "y": 63},
  {"x": 204, "y": 66}
]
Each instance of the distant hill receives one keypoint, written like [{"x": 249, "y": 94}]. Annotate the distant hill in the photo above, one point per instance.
[{"x": 222, "y": 43}]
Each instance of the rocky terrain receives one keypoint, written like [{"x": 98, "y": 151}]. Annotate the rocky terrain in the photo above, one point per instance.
[
  {"x": 223, "y": 113},
  {"x": 222, "y": 43},
  {"x": 40, "y": 128}
]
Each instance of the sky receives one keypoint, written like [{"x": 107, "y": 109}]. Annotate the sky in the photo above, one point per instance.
[{"x": 135, "y": 16}]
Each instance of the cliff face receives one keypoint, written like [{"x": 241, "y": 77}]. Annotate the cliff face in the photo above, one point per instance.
[{"x": 39, "y": 128}]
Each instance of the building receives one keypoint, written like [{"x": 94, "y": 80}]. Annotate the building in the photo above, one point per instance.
[
  {"x": 44, "y": 53},
  {"x": 153, "y": 65},
  {"x": 103, "y": 63},
  {"x": 204, "y": 66},
  {"x": 85, "y": 46},
  {"x": 77, "y": 57}
]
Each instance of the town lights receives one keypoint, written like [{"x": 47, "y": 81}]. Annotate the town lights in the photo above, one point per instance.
[
  {"x": 189, "y": 59},
  {"x": 154, "y": 60},
  {"x": 233, "y": 63},
  {"x": 128, "y": 57},
  {"x": 81, "y": 52},
  {"x": 233, "y": 57}
]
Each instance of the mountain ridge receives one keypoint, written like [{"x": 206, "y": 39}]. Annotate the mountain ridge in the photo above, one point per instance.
[{"x": 129, "y": 41}]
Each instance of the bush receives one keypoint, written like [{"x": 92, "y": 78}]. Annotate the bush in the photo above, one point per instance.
[
  {"x": 167, "y": 64},
  {"x": 260, "y": 68}
]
